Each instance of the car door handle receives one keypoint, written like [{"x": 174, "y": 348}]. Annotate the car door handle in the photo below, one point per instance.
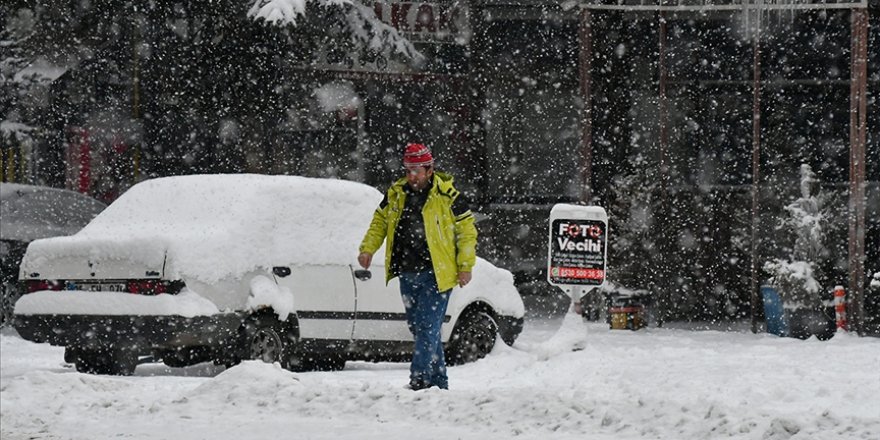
[
  {"x": 281, "y": 271},
  {"x": 363, "y": 274}
]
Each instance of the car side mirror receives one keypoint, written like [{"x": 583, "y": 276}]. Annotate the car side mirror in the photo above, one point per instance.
[
  {"x": 363, "y": 274},
  {"x": 281, "y": 271}
]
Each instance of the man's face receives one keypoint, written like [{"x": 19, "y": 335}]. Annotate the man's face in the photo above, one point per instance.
[{"x": 418, "y": 177}]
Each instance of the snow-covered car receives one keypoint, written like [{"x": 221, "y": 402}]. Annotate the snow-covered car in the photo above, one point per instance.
[
  {"x": 30, "y": 212},
  {"x": 225, "y": 268}
]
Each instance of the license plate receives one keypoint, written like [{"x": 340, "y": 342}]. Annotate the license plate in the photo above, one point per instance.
[{"x": 100, "y": 287}]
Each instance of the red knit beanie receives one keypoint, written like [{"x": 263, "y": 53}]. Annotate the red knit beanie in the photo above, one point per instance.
[{"x": 417, "y": 155}]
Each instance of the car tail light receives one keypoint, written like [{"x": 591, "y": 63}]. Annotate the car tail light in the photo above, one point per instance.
[
  {"x": 38, "y": 285},
  {"x": 153, "y": 287}
]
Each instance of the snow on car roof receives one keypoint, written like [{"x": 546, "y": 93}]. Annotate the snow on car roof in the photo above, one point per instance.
[{"x": 220, "y": 226}]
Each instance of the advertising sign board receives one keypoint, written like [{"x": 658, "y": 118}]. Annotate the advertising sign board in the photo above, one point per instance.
[{"x": 578, "y": 247}]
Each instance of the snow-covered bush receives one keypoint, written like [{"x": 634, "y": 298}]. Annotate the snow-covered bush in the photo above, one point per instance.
[
  {"x": 795, "y": 275},
  {"x": 632, "y": 250}
]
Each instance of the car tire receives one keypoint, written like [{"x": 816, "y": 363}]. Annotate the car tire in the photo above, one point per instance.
[
  {"x": 113, "y": 361},
  {"x": 473, "y": 338},
  {"x": 267, "y": 339},
  {"x": 265, "y": 343}
]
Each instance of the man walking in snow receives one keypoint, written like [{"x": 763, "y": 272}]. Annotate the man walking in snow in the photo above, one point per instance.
[{"x": 431, "y": 240}]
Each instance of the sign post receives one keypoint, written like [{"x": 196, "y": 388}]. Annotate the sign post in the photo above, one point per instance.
[{"x": 578, "y": 248}]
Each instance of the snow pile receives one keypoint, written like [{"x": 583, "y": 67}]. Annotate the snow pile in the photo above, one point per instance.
[
  {"x": 221, "y": 226},
  {"x": 606, "y": 384},
  {"x": 266, "y": 293},
  {"x": 249, "y": 382},
  {"x": 187, "y": 304}
]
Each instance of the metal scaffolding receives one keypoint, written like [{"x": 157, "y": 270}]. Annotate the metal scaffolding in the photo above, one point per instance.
[{"x": 754, "y": 12}]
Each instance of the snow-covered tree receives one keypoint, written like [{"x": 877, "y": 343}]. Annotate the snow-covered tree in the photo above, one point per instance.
[
  {"x": 358, "y": 22},
  {"x": 795, "y": 275},
  {"x": 13, "y": 33}
]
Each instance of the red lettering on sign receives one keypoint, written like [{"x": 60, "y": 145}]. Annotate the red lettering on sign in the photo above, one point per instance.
[{"x": 581, "y": 273}]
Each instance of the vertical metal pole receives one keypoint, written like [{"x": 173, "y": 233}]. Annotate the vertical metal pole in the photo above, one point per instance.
[
  {"x": 662, "y": 287},
  {"x": 585, "y": 69},
  {"x": 858, "y": 129},
  {"x": 135, "y": 97},
  {"x": 475, "y": 89},
  {"x": 756, "y": 172},
  {"x": 361, "y": 141},
  {"x": 664, "y": 111},
  {"x": 862, "y": 201}
]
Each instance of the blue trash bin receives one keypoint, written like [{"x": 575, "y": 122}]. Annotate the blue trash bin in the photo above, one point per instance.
[{"x": 774, "y": 313}]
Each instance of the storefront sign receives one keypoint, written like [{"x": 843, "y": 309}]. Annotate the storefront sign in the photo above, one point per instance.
[
  {"x": 425, "y": 22},
  {"x": 578, "y": 245}
]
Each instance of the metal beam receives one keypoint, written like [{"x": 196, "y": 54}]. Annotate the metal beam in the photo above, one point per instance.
[
  {"x": 857, "y": 129},
  {"x": 683, "y": 5},
  {"x": 663, "y": 104},
  {"x": 756, "y": 301},
  {"x": 585, "y": 56},
  {"x": 728, "y": 7}
]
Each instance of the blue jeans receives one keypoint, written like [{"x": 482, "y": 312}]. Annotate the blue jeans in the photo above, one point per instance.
[{"x": 425, "y": 311}]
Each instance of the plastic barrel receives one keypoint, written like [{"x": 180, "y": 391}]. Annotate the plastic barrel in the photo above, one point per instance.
[{"x": 774, "y": 314}]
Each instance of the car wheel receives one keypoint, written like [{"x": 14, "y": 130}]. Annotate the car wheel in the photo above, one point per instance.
[
  {"x": 103, "y": 360},
  {"x": 265, "y": 344},
  {"x": 472, "y": 339},
  {"x": 269, "y": 340}
]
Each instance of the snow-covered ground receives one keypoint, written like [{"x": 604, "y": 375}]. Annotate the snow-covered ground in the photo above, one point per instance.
[{"x": 562, "y": 379}]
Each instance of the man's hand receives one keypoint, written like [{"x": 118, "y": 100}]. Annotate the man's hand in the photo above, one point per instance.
[
  {"x": 365, "y": 258},
  {"x": 464, "y": 278}
]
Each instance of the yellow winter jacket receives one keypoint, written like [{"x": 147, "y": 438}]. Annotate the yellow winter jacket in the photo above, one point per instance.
[{"x": 451, "y": 236}]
